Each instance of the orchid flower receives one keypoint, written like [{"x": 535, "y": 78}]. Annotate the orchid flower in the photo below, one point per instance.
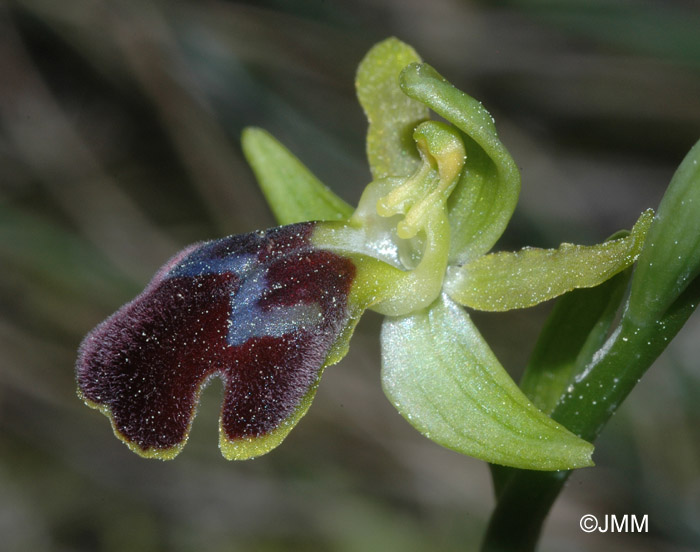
[{"x": 268, "y": 311}]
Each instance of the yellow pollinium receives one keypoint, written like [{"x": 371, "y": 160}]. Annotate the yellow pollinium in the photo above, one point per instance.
[
  {"x": 443, "y": 155},
  {"x": 396, "y": 288}
]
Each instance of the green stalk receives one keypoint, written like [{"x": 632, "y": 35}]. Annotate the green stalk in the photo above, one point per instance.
[
  {"x": 525, "y": 496},
  {"x": 523, "y": 505},
  {"x": 664, "y": 292}
]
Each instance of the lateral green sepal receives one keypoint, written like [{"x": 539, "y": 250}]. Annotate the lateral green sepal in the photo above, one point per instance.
[
  {"x": 505, "y": 280},
  {"x": 443, "y": 378}
]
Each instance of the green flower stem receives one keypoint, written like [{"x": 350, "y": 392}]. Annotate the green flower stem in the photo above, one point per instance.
[
  {"x": 578, "y": 326},
  {"x": 525, "y": 496},
  {"x": 594, "y": 395},
  {"x": 665, "y": 291},
  {"x": 523, "y": 505}
]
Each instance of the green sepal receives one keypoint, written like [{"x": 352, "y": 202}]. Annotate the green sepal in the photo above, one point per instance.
[
  {"x": 506, "y": 280},
  {"x": 293, "y": 193},
  {"x": 577, "y": 327},
  {"x": 442, "y": 377},
  {"x": 391, "y": 114},
  {"x": 484, "y": 199}
]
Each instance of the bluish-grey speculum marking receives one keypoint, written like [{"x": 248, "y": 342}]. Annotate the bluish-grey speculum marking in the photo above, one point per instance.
[{"x": 261, "y": 310}]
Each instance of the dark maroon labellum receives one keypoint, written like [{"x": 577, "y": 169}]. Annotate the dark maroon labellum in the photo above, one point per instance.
[{"x": 260, "y": 310}]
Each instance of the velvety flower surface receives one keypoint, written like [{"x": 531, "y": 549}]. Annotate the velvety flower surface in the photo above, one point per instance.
[
  {"x": 268, "y": 311},
  {"x": 261, "y": 311}
]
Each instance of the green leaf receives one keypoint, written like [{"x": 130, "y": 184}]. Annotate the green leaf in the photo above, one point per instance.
[
  {"x": 503, "y": 281},
  {"x": 670, "y": 259},
  {"x": 484, "y": 200},
  {"x": 442, "y": 377},
  {"x": 391, "y": 114},
  {"x": 577, "y": 327},
  {"x": 292, "y": 191}
]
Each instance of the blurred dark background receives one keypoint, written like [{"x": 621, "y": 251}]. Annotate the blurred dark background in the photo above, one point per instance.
[{"x": 119, "y": 144}]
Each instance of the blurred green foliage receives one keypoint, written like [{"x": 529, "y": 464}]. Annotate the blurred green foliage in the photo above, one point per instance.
[{"x": 119, "y": 144}]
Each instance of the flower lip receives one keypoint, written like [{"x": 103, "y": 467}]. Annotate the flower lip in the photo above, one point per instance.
[{"x": 261, "y": 311}]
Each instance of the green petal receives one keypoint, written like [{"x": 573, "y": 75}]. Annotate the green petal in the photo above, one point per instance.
[
  {"x": 577, "y": 327},
  {"x": 504, "y": 281},
  {"x": 292, "y": 191},
  {"x": 671, "y": 256},
  {"x": 484, "y": 200},
  {"x": 442, "y": 377},
  {"x": 391, "y": 114}
]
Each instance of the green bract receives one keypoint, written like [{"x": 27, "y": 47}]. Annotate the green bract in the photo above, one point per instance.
[
  {"x": 671, "y": 259},
  {"x": 442, "y": 194}
]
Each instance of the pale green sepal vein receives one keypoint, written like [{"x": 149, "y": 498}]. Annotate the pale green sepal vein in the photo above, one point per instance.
[
  {"x": 485, "y": 198},
  {"x": 391, "y": 114},
  {"x": 292, "y": 191},
  {"x": 443, "y": 378},
  {"x": 506, "y": 280}
]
